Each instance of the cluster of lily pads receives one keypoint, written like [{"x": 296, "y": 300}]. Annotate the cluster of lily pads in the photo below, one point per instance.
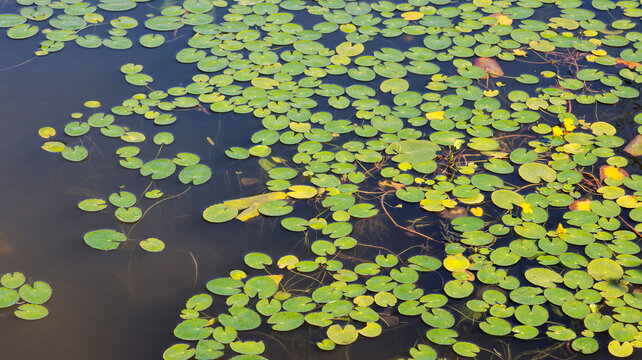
[
  {"x": 484, "y": 109},
  {"x": 128, "y": 205},
  {"x": 28, "y": 297}
]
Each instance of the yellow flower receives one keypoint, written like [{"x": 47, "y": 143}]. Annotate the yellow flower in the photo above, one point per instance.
[
  {"x": 526, "y": 208},
  {"x": 568, "y": 124},
  {"x": 560, "y": 229},
  {"x": 519, "y": 52},
  {"x": 557, "y": 131}
]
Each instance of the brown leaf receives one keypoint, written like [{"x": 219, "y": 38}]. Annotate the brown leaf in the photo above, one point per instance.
[
  {"x": 635, "y": 146},
  {"x": 453, "y": 213},
  {"x": 612, "y": 172},
  {"x": 490, "y": 66},
  {"x": 580, "y": 205}
]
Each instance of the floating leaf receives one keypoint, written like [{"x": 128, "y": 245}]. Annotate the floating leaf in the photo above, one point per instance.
[
  {"x": 31, "y": 312},
  {"x": 342, "y": 336},
  {"x": 104, "y": 239}
]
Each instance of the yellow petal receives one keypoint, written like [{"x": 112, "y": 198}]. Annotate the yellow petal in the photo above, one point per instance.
[{"x": 526, "y": 208}]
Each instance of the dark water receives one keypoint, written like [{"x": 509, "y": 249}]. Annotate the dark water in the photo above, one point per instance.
[{"x": 124, "y": 304}]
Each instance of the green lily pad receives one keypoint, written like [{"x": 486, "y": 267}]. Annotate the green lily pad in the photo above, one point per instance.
[
  {"x": 37, "y": 294},
  {"x": 8, "y": 297},
  {"x": 152, "y": 245},
  {"x": 104, "y": 239},
  {"x": 158, "y": 169},
  {"x": 12, "y": 280},
  {"x": 31, "y": 312},
  {"x": 286, "y": 320},
  {"x": 92, "y": 205},
  {"x": 466, "y": 349}
]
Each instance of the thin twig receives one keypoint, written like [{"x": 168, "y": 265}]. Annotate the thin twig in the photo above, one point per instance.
[{"x": 383, "y": 206}]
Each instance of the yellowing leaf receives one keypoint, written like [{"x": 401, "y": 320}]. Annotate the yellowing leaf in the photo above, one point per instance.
[
  {"x": 53, "y": 146},
  {"x": 491, "y": 93},
  {"x": 264, "y": 83},
  {"x": 435, "y": 115},
  {"x": 288, "y": 261},
  {"x": 628, "y": 201},
  {"x": 238, "y": 274},
  {"x": 477, "y": 211},
  {"x": 302, "y": 127},
  {"x": 251, "y": 212},
  {"x": 276, "y": 278},
  {"x": 613, "y": 173},
  {"x": 602, "y": 128},
  {"x": 92, "y": 104},
  {"x": 502, "y": 19},
  {"x": 404, "y": 166},
  {"x": 302, "y": 192},
  {"x": 363, "y": 300},
  {"x": 251, "y": 204},
  {"x": 349, "y": 49},
  {"x": 449, "y": 203},
  {"x": 456, "y": 263},
  {"x": 581, "y": 205},
  {"x": 93, "y": 18},
  {"x": 348, "y": 28},
  {"x": 340, "y": 60},
  {"x": 412, "y": 15},
  {"x": 46, "y": 132}
]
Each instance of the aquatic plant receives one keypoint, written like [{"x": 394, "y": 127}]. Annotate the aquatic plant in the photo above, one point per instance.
[
  {"x": 29, "y": 297},
  {"x": 484, "y": 113}
]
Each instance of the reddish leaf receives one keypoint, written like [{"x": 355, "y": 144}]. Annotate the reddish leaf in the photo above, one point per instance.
[{"x": 490, "y": 66}]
